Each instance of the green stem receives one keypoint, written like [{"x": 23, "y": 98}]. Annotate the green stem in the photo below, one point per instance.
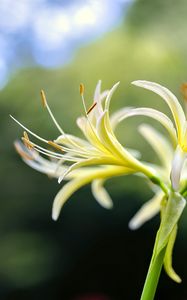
[
  {"x": 153, "y": 275},
  {"x": 162, "y": 185},
  {"x": 171, "y": 210}
]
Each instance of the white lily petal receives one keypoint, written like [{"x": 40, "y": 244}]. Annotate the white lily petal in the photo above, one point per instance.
[
  {"x": 108, "y": 139},
  {"x": 177, "y": 165},
  {"x": 154, "y": 114},
  {"x": 90, "y": 134},
  {"x": 97, "y": 91},
  {"x": 109, "y": 96},
  {"x": 98, "y": 95},
  {"x": 146, "y": 212},
  {"x": 134, "y": 153},
  {"x": 159, "y": 143},
  {"x": 170, "y": 99},
  {"x": 100, "y": 194},
  {"x": 88, "y": 176},
  {"x": 95, "y": 113},
  {"x": 115, "y": 117},
  {"x": 41, "y": 168},
  {"x": 85, "y": 163},
  {"x": 71, "y": 140},
  {"x": 97, "y": 98},
  {"x": 63, "y": 195}
]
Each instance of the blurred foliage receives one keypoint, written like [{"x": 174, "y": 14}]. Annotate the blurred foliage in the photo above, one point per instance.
[{"x": 89, "y": 249}]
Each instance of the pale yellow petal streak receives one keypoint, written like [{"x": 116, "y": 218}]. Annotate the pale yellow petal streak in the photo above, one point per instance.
[
  {"x": 86, "y": 163},
  {"x": 108, "y": 138},
  {"x": 90, "y": 134}
]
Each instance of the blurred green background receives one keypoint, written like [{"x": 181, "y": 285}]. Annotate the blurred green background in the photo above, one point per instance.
[{"x": 89, "y": 253}]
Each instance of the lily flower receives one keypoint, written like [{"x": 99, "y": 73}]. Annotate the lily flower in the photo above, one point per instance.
[
  {"x": 81, "y": 161},
  {"x": 172, "y": 156},
  {"x": 100, "y": 156},
  {"x": 180, "y": 125}
]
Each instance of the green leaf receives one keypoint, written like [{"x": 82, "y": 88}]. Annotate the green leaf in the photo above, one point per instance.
[
  {"x": 168, "y": 256},
  {"x": 170, "y": 214}
]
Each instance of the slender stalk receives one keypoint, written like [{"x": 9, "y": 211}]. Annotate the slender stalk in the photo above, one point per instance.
[{"x": 153, "y": 275}]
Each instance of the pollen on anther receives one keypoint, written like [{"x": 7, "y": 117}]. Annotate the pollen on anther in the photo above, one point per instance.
[
  {"x": 26, "y": 141},
  {"x": 184, "y": 90},
  {"x": 81, "y": 89},
  {"x": 56, "y": 146},
  {"x": 43, "y": 97},
  {"x": 91, "y": 108}
]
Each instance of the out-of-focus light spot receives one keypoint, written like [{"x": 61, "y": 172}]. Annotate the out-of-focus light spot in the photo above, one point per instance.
[
  {"x": 47, "y": 32},
  {"x": 51, "y": 28},
  {"x": 14, "y": 14},
  {"x": 85, "y": 16},
  {"x": 62, "y": 23},
  {"x": 3, "y": 73}
]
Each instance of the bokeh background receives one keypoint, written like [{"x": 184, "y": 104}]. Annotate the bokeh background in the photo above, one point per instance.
[{"x": 89, "y": 253}]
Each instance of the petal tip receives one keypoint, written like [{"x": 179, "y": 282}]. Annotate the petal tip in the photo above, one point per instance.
[
  {"x": 109, "y": 205},
  {"x": 133, "y": 225},
  {"x": 60, "y": 180},
  {"x": 55, "y": 214},
  {"x": 138, "y": 82}
]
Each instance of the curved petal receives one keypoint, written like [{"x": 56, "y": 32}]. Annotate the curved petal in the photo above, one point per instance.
[
  {"x": 177, "y": 165},
  {"x": 98, "y": 110},
  {"x": 85, "y": 163},
  {"x": 109, "y": 140},
  {"x": 115, "y": 117},
  {"x": 159, "y": 143},
  {"x": 154, "y": 114},
  {"x": 170, "y": 99},
  {"x": 109, "y": 96},
  {"x": 96, "y": 173},
  {"x": 63, "y": 195},
  {"x": 100, "y": 194},
  {"x": 147, "y": 211},
  {"x": 89, "y": 132},
  {"x": 71, "y": 141}
]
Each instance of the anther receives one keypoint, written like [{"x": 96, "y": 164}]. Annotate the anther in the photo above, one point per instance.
[
  {"x": 184, "y": 90},
  {"x": 43, "y": 97},
  {"x": 26, "y": 141},
  {"x": 91, "y": 108},
  {"x": 81, "y": 89},
  {"x": 56, "y": 146}
]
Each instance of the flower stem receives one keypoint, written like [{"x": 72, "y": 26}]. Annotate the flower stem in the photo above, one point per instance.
[
  {"x": 153, "y": 275},
  {"x": 171, "y": 210}
]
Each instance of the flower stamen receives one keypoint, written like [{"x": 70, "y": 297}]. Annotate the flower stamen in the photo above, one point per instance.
[
  {"x": 91, "y": 108},
  {"x": 43, "y": 97},
  {"x": 56, "y": 146},
  {"x": 81, "y": 89},
  {"x": 26, "y": 141},
  {"x": 45, "y": 104}
]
